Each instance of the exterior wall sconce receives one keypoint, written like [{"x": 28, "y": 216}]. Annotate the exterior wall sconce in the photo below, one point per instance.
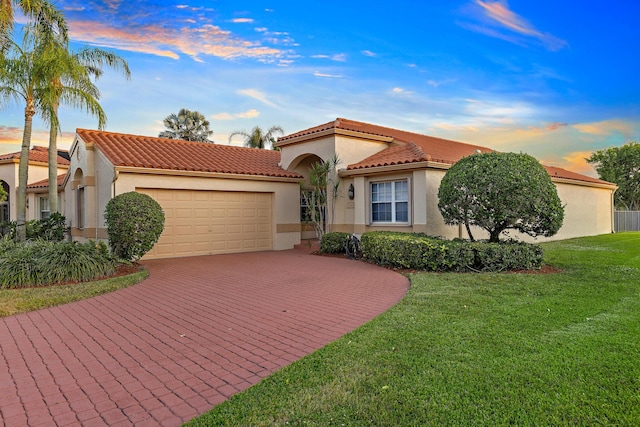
[{"x": 352, "y": 192}]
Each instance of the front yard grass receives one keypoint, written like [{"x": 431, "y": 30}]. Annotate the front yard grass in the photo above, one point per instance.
[
  {"x": 477, "y": 349},
  {"x": 14, "y": 301}
]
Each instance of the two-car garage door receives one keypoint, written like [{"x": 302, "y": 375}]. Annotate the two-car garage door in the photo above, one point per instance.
[{"x": 201, "y": 222}]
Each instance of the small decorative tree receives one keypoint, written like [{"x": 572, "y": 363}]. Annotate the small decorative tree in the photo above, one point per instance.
[
  {"x": 501, "y": 191},
  {"x": 134, "y": 224},
  {"x": 322, "y": 193}
]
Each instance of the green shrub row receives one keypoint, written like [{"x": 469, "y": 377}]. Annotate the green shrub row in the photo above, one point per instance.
[
  {"x": 333, "y": 243},
  {"x": 422, "y": 252},
  {"x": 40, "y": 262},
  {"x": 54, "y": 228}
]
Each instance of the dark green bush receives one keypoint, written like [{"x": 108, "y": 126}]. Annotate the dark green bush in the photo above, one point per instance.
[
  {"x": 333, "y": 243},
  {"x": 134, "y": 224},
  {"x": 499, "y": 192},
  {"x": 506, "y": 256},
  {"x": 39, "y": 263},
  {"x": 422, "y": 252}
]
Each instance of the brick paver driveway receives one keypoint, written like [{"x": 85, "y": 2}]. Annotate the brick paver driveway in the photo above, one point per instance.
[{"x": 195, "y": 332}]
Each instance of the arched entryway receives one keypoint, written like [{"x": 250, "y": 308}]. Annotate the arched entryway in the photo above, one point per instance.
[{"x": 303, "y": 164}]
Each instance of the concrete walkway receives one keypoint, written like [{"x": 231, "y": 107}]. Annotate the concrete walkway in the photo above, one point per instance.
[{"x": 197, "y": 331}]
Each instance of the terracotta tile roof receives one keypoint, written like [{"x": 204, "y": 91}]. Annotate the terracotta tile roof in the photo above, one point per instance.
[
  {"x": 38, "y": 154},
  {"x": 171, "y": 154},
  {"x": 557, "y": 172},
  {"x": 423, "y": 147},
  {"x": 409, "y": 147},
  {"x": 45, "y": 182}
]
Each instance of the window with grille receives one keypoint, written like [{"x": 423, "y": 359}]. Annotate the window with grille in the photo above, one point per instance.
[{"x": 390, "y": 201}]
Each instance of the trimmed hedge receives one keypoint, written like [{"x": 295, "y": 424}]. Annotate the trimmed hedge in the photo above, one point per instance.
[
  {"x": 333, "y": 243},
  {"x": 421, "y": 252},
  {"x": 41, "y": 263}
]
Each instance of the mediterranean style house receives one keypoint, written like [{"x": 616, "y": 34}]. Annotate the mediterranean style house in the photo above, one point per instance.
[
  {"x": 221, "y": 199},
  {"x": 38, "y": 184}
]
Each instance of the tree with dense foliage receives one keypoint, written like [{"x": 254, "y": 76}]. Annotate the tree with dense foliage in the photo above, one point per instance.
[
  {"x": 134, "y": 224},
  {"x": 498, "y": 192},
  {"x": 72, "y": 85},
  {"x": 187, "y": 125},
  {"x": 257, "y": 138},
  {"x": 620, "y": 165}
]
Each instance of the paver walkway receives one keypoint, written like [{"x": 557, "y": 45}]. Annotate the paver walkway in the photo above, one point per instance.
[{"x": 194, "y": 333}]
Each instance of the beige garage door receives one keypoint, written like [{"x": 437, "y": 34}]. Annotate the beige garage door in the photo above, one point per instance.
[{"x": 212, "y": 222}]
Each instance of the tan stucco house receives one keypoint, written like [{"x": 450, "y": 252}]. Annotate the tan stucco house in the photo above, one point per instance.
[
  {"x": 38, "y": 184},
  {"x": 221, "y": 199}
]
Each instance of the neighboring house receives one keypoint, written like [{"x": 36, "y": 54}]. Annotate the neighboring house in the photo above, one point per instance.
[
  {"x": 37, "y": 207},
  {"x": 221, "y": 199}
]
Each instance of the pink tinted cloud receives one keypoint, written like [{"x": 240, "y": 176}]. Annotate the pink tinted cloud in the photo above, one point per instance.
[
  {"x": 169, "y": 42},
  {"x": 11, "y": 139},
  {"x": 499, "y": 12}
]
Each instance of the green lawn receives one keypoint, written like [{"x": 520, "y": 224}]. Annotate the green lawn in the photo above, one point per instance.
[
  {"x": 14, "y": 301},
  {"x": 477, "y": 349}
]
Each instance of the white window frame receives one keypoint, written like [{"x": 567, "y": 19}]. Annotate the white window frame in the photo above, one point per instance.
[
  {"x": 43, "y": 202},
  {"x": 393, "y": 201}
]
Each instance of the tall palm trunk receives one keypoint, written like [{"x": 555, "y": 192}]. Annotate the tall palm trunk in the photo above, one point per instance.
[
  {"x": 53, "y": 164},
  {"x": 23, "y": 171}
]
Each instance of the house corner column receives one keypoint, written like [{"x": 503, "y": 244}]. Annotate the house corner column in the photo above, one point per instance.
[
  {"x": 419, "y": 201},
  {"x": 360, "y": 200}
]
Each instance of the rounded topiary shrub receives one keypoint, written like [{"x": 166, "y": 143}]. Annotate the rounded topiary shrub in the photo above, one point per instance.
[{"x": 134, "y": 223}]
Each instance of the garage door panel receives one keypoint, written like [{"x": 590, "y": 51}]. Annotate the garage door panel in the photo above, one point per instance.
[
  {"x": 212, "y": 222},
  {"x": 201, "y": 213},
  {"x": 218, "y": 213}
]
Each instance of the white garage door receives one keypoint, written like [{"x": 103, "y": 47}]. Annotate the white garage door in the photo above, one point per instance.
[{"x": 212, "y": 222}]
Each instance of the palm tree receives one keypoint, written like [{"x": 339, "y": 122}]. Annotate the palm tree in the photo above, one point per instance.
[
  {"x": 73, "y": 86},
  {"x": 44, "y": 13},
  {"x": 41, "y": 73},
  {"x": 258, "y": 138},
  {"x": 22, "y": 73},
  {"x": 187, "y": 125}
]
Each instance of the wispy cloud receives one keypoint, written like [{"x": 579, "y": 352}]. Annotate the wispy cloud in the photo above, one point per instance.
[
  {"x": 257, "y": 95},
  {"x": 438, "y": 83},
  {"x": 327, "y": 75},
  {"x": 400, "y": 91},
  {"x": 146, "y": 29},
  {"x": 338, "y": 57},
  {"x": 157, "y": 40},
  {"x": 495, "y": 18},
  {"x": 368, "y": 53},
  {"x": 249, "y": 114},
  {"x": 608, "y": 127}
]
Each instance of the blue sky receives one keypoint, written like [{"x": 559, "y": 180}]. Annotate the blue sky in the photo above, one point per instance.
[{"x": 555, "y": 79}]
